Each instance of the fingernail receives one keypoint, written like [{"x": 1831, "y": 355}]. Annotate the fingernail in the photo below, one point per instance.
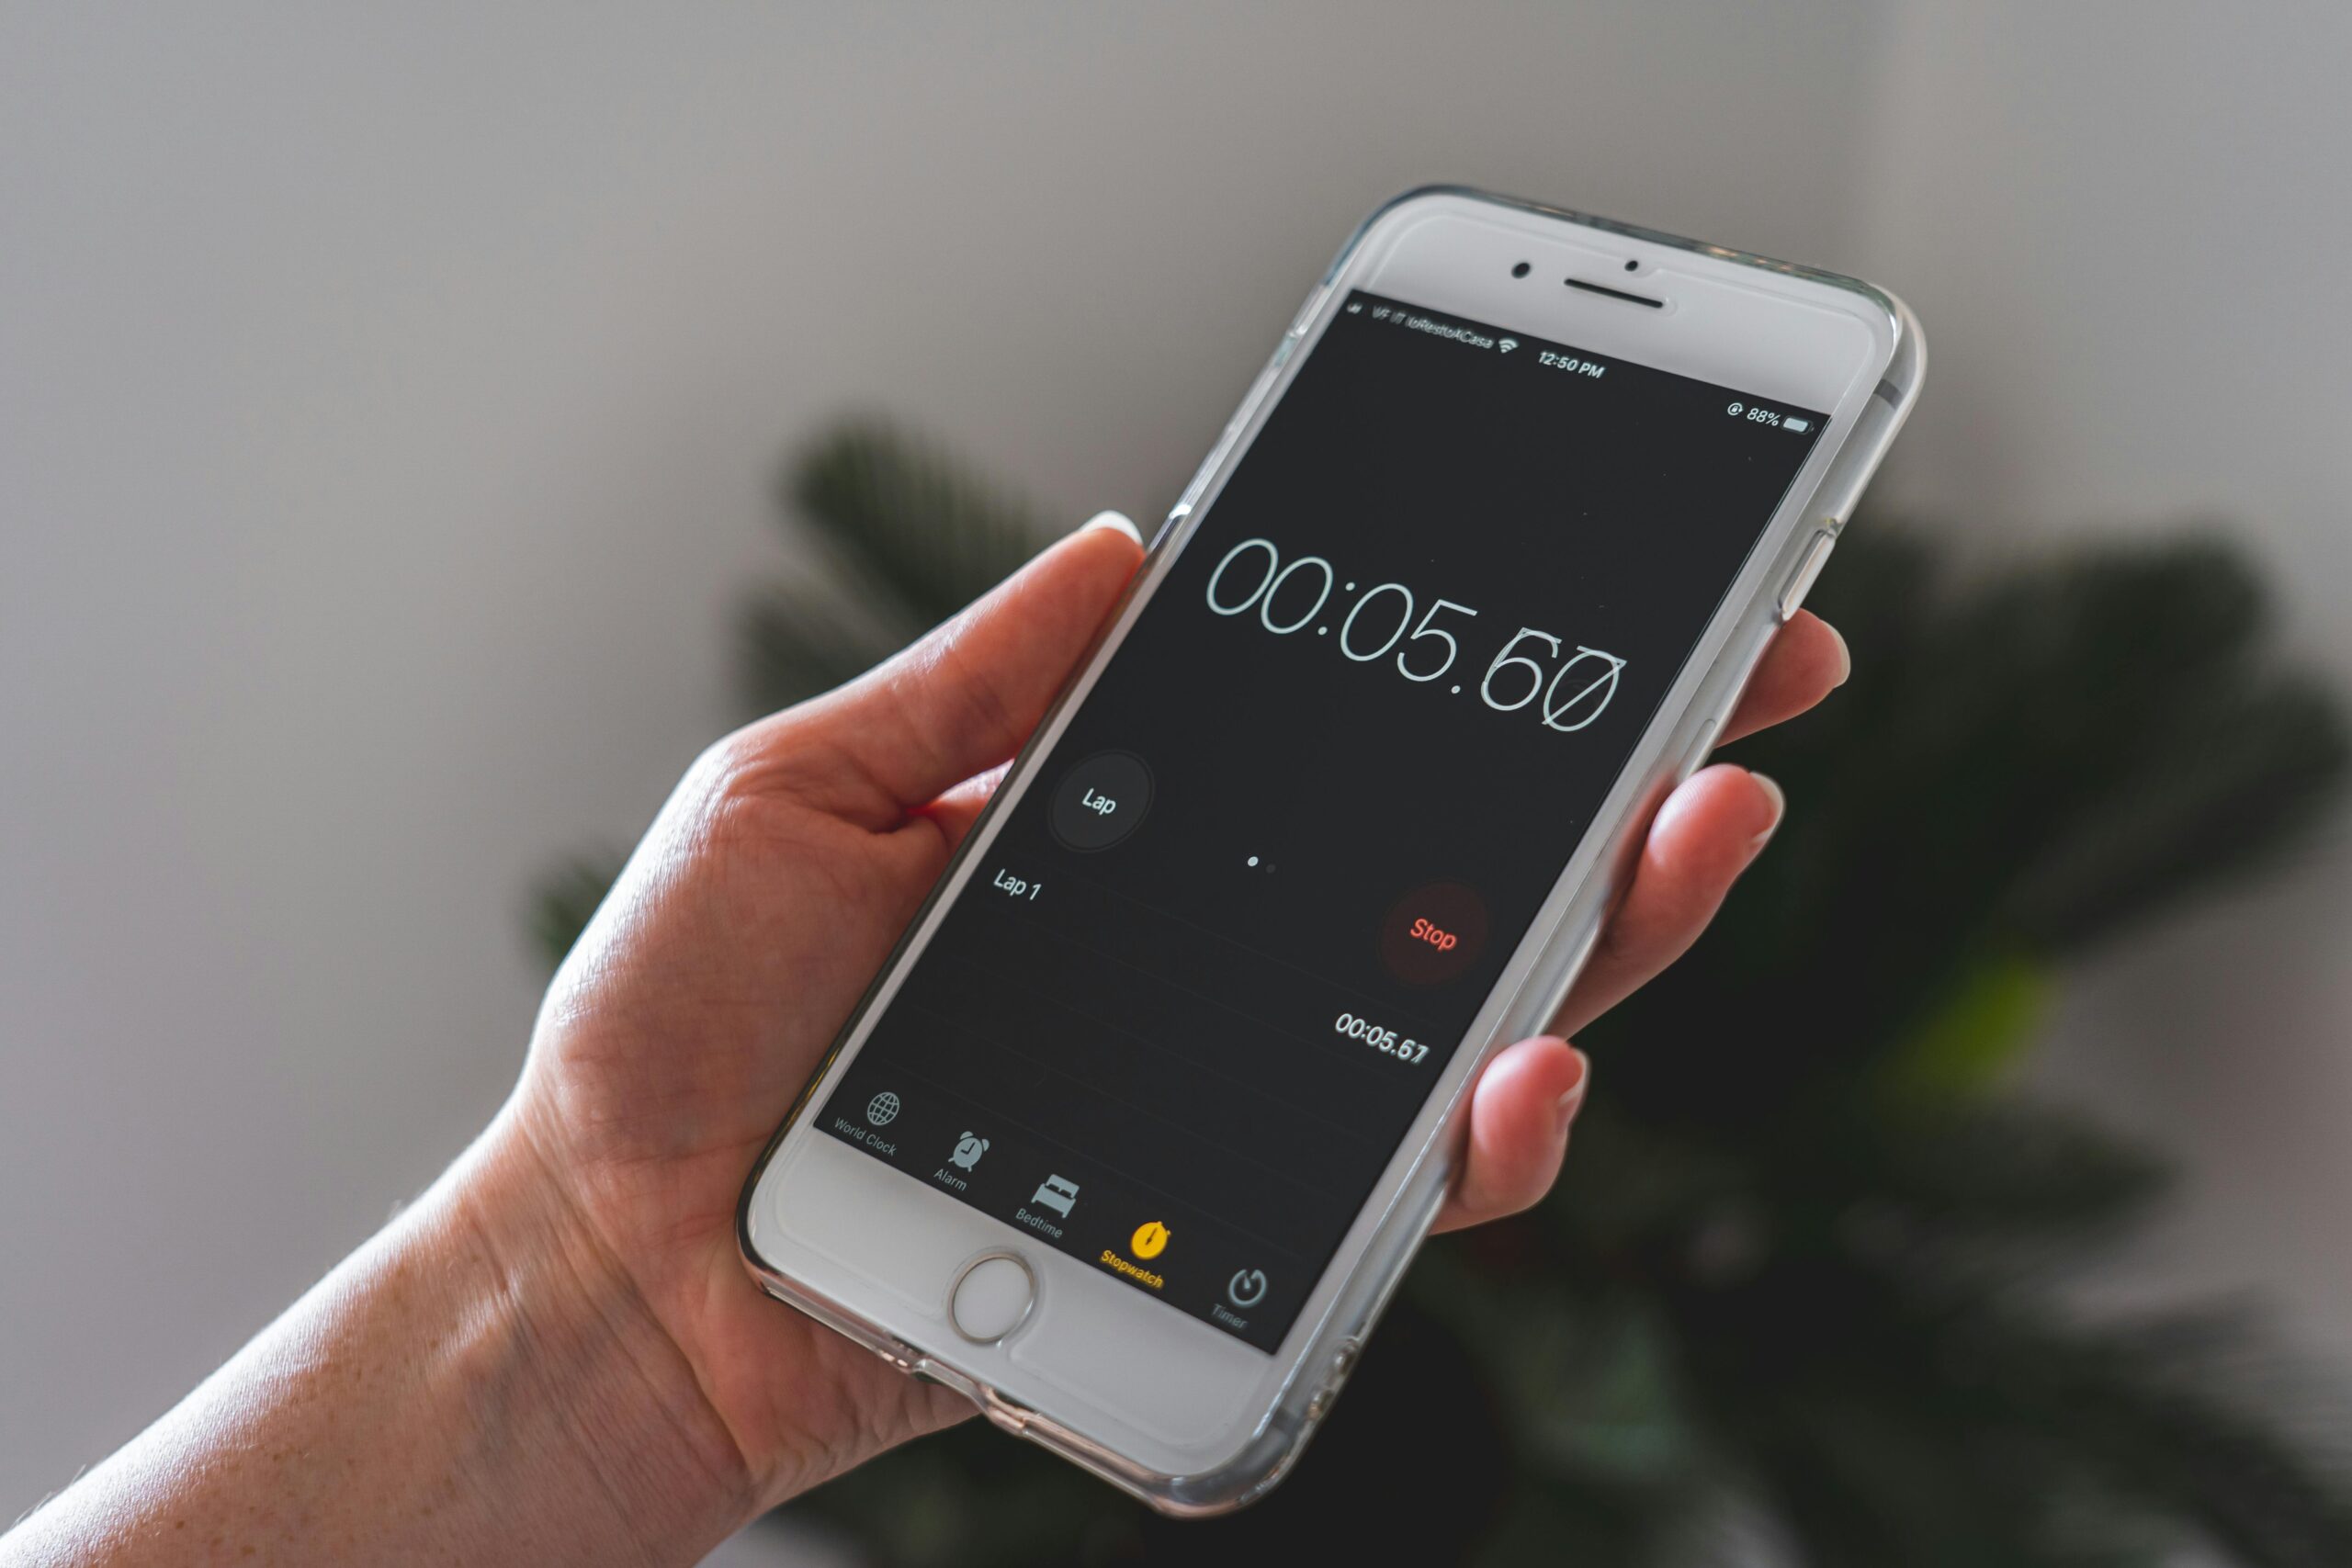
[
  {"x": 1572, "y": 1100},
  {"x": 1780, "y": 809},
  {"x": 1845, "y": 655},
  {"x": 1117, "y": 522}
]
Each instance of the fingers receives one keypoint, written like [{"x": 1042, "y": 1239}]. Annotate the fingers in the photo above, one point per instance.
[
  {"x": 1807, "y": 660},
  {"x": 965, "y": 697},
  {"x": 954, "y": 812},
  {"x": 1708, "y": 831},
  {"x": 1520, "y": 1115}
]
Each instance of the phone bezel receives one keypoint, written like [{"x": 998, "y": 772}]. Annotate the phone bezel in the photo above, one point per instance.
[{"x": 1154, "y": 1399}]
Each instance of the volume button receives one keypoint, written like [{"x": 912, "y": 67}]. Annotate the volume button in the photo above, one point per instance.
[
  {"x": 1697, "y": 756},
  {"x": 1306, "y": 317},
  {"x": 1816, "y": 555},
  {"x": 1341, "y": 1364}
]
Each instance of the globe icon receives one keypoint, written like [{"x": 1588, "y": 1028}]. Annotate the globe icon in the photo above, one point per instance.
[{"x": 883, "y": 1109}]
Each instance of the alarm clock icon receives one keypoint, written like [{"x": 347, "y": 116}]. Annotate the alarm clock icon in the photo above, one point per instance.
[{"x": 968, "y": 1150}]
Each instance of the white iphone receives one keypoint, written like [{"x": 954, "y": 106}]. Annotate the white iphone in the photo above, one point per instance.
[{"x": 1142, "y": 1122}]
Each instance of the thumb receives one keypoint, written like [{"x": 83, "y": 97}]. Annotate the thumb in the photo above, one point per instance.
[{"x": 965, "y": 697}]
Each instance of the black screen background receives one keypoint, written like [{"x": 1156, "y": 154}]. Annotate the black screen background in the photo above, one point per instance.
[{"x": 1156, "y": 1024}]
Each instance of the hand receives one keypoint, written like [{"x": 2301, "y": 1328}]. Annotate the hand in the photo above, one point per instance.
[{"x": 776, "y": 880}]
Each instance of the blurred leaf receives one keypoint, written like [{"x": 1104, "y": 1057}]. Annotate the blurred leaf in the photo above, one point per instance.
[
  {"x": 2178, "y": 1416},
  {"x": 799, "y": 640},
  {"x": 911, "y": 526},
  {"x": 1982, "y": 1031},
  {"x": 566, "y": 898},
  {"x": 1982, "y": 1182},
  {"x": 2248, "y": 784},
  {"x": 895, "y": 537}
]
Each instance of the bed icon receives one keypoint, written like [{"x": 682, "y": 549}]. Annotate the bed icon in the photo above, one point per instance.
[{"x": 1057, "y": 1194}]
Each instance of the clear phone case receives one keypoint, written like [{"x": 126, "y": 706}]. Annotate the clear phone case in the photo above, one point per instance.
[{"x": 1319, "y": 1372}]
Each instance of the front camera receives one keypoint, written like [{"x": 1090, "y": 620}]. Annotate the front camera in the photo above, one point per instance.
[
  {"x": 1633, "y": 267},
  {"x": 1520, "y": 271}
]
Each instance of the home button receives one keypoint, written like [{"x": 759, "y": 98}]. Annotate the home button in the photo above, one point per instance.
[{"x": 991, "y": 1297}]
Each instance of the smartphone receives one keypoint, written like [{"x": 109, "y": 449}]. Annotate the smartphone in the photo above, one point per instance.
[{"x": 1136, "y": 1131}]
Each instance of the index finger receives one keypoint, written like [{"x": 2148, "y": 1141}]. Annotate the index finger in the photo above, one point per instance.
[{"x": 1807, "y": 661}]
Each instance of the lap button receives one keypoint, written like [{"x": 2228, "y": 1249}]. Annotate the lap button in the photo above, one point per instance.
[
  {"x": 992, "y": 1298},
  {"x": 1102, "y": 800}
]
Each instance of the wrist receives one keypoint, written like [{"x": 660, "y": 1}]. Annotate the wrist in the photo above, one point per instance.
[
  {"x": 558, "y": 1347},
  {"x": 472, "y": 1386}
]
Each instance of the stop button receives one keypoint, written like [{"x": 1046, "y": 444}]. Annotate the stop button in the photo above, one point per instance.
[{"x": 1433, "y": 933}]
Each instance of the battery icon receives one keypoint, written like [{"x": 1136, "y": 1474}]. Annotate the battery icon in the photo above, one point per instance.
[{"x": 1790, "y": 421}]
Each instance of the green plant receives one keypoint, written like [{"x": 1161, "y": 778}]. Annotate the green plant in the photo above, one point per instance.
[{"x": 1802, "y": 1290}]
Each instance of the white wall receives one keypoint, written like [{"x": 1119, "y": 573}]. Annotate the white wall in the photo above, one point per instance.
[
  {"x": 388, "y": 402},
  {"x": 388, "y": 405}
]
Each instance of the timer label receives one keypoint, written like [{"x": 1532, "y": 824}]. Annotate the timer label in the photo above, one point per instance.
[{"x": 1575, "y": 690}]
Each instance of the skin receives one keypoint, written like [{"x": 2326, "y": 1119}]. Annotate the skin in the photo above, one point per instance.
[{"x": 555, "y": 1355}]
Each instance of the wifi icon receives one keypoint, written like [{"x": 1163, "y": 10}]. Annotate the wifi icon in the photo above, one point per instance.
[{"x": 1506, "y": 344}]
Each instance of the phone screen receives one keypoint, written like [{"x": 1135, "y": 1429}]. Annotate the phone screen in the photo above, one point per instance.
[{"x": 1186, "y": 1006}]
